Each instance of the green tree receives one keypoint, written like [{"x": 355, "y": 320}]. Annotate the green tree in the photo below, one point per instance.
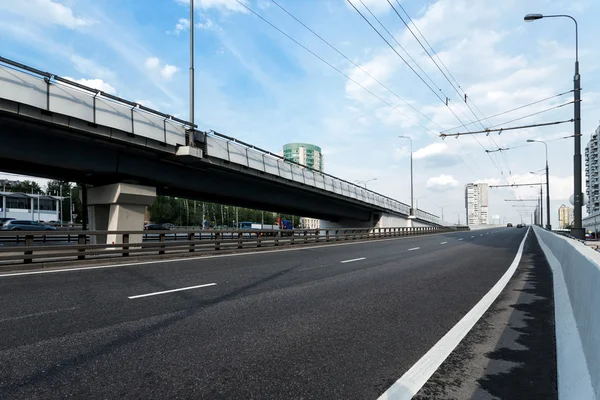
[
  {"x": 70, "y": 194},
  {"x": 26, "y": 187}
]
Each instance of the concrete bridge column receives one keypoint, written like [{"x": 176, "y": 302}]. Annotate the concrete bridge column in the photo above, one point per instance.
[{"x": 118, "y": 207}]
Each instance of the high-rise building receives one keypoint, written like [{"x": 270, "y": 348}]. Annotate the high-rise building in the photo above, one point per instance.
[
  {"x": 592, "y": 180},
  {"x": 310, "y": 156},
  {"x": 304, "y": 154},
  {"x": 476, "y": 202},
  {"x": 565, "y": 216}
]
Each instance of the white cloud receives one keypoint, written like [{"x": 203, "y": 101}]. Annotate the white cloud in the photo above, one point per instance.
[
  {"x": 208, "y": 25},
  {"x": 168, "y": 71},
  {"x": 430, "y": 150},
  {"x": 45, "y": 12},
  {"x": 152, "y": 62},
  {"x": 441, "y": 183},
  {"x": 183, "y": 24},
  {"x": 96, "y": 84},
  {"x": 227, "y": 5}
]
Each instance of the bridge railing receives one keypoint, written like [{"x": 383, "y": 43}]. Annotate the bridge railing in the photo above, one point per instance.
[
  {"x": 52, "y": 93},
  {"x": 36, "y": 247},
  {"x": 238, "y": 152}
]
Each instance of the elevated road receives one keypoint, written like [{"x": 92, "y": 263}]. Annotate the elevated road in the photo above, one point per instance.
[{"x": 337, "y": 322}]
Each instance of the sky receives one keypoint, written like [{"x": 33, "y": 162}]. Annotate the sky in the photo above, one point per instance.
[{"x": 354, "y": 96}]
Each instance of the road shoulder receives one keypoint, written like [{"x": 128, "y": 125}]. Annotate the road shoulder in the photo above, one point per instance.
[{"x": 511, "y": 351}]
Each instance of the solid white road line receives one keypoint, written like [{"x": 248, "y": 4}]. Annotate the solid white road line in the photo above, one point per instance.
[
  {"x": 413, "y": 380},
  {"x": 354, "y": 259},
  {"x": 414, "y": 248},
  {"x": 443, "y": 242},
  {"x": 170, "y": 291},
  {"x": 460, "y": 239}
]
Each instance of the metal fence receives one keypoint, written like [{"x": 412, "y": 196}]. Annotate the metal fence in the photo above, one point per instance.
[{"x": 144, "y": 243}]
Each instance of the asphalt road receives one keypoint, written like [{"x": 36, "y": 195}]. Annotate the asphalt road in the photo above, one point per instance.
[{"x": 335, "y": 322}]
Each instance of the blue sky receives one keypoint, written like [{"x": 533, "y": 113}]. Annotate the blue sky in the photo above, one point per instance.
[{"x": 254, "y": 83}]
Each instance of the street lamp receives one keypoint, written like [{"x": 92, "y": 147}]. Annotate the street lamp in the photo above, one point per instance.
[
  {"x": 442, "y": 207},
  {"x": 577, "y": 229},
  {"x": 412, "y": 210},
  {"x": 541, "y": 200},
  {"x": 365, "y": 182},
  {"x": 548, "y": 225}
]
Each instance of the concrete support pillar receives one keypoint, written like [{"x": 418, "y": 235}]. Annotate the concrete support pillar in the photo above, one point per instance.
[
  {"x": 4, "y": 206},
  {"x": 118, "y": 207}
]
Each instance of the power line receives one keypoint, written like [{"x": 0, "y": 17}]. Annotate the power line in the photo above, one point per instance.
[
  {"x": 399, "y": 45},
  {"x": 514, "y": 109},
  {"x": 395, "y": 51},
  {"x": 445, "y": 135},
  {"x": 533, "y": 114},
  {"x": 329, "y": 64},
  {"x": 354, "y": 63}
]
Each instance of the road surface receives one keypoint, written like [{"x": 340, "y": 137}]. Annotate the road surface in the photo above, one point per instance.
[{"x": 335, "y": 322}]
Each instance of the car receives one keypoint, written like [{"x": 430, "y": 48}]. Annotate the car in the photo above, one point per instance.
[
  {"x": 3, "y": 220},
  {"x": 153, "y": 227},
  {"x": 520, "y": 225},
  {"x": 16, "y": 225},
  {"x": 509, "y": 225},
  {"x": 168, "y": 226}
]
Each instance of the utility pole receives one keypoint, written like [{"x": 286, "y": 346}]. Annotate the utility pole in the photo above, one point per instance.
[{"x": 192, "y": 68}]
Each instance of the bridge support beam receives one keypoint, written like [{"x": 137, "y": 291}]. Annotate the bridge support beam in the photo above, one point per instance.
[{"x": 118, "y": 207}]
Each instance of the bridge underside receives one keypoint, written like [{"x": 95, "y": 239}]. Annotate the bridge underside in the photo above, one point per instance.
[{"x": 33, "y": 148}]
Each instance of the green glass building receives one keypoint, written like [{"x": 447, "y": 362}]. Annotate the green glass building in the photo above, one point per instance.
[{"x": 304, "y": 154}]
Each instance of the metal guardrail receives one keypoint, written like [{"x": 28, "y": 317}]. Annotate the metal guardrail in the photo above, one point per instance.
[{"x": 132, "y": 243}]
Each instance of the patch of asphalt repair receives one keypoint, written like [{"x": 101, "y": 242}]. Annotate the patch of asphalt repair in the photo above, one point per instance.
[{"x": 511, "y": 352}]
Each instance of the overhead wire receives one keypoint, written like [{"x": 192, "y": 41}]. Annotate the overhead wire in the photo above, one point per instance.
[
  {"x": 354, "y": 63},
  {"x": 446, "y": 76},
  {"x": 329, "y": 64},
  {"x": 416, "y": 73}
]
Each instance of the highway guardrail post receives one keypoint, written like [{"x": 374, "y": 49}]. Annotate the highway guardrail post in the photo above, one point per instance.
[
  {"x": 258, "y": 239},
  {"x": 240, "y": 240},
  {"x": 161, "y": 239},
  {"x": 28, "y": 249},
  {"x": 81, "y": 240},
  {"x": 125, "y": 244},
  {"x": 192, "y": 237},
  {"x": 217, "y": 241},
  {"x": 276, "y": 236}
]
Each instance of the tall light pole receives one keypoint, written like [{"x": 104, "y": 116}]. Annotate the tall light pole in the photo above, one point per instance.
[
  {"x": 192, "y": 67},
  {"x": 412, "y": 210},
  {"x": 442, "y": 207},
  {"x": 577, "y": 229},
  {"x": 417, "y": 201},
  {"x": 541, "y": 200},
  {"x": 365, "y": 182},
  {"x": 548, "y": 224}
]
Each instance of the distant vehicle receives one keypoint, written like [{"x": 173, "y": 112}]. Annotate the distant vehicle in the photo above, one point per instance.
[
  {"x": 3, "y": 220},
  {"x": 509, "y": 225},
  {"x": 520, "y": 225},
  {"x": 15, "y": 225},
  {"x": 168, "y": 226},
  {"x": 153, "y": 227}
]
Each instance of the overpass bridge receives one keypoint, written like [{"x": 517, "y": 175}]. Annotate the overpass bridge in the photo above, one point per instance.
[{"x": 59, "y": 129}]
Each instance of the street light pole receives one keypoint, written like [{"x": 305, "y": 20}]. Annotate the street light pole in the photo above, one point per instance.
[
  {"x": 577, "y": 230},
  {"x": 442, "y": 207},
  {"x": 192, "y": 66},
  {"x": 412, "y": 210},
  {"x": 548, "y": 224}
]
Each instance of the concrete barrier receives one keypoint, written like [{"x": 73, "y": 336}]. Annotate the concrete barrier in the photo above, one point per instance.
[{"x": 576, "y": 275}]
